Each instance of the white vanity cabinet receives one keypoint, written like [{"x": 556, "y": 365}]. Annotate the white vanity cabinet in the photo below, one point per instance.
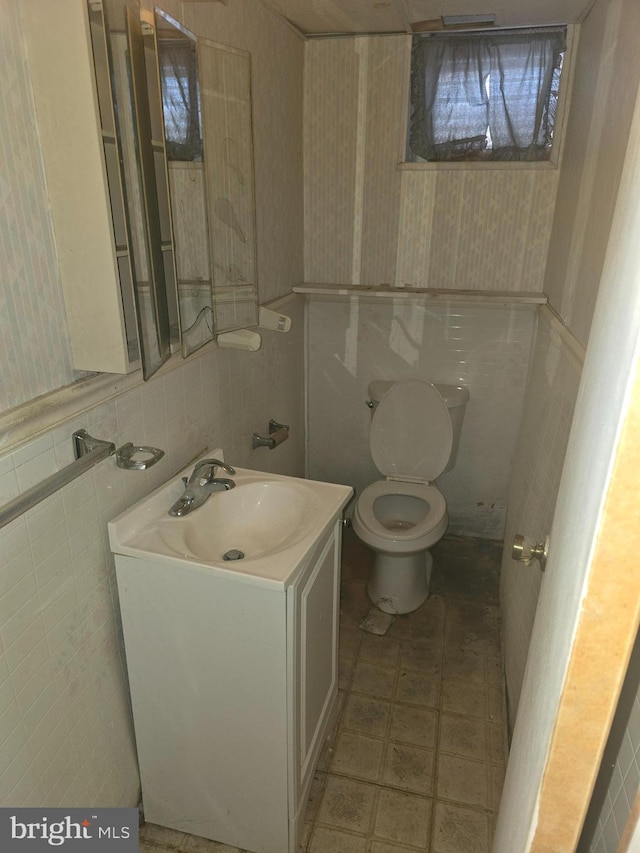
[{"x": 234, "y": 687}]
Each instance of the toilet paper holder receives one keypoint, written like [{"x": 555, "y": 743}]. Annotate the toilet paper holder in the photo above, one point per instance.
[{"x": 277, "y": 434}]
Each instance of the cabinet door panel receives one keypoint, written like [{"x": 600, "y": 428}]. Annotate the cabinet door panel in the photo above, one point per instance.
[{"x": 318, "y": 651}]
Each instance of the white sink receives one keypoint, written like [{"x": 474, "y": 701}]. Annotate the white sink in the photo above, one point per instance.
[{"x": 265, "y": 525}]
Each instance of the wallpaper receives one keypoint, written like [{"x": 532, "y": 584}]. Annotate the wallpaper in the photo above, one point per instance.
[{"x": 369, "y": 223}]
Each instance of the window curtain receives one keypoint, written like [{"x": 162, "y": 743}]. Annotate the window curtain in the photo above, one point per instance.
[
  {"x": 488, "y": 96},
  {"x": 180, "y": 99}
]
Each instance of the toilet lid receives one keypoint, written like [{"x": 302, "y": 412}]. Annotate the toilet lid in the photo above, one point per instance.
[{"x": 411, "y": 432}]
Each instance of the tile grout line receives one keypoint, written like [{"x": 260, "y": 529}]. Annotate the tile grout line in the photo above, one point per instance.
[{"x": 436, "y": 760}]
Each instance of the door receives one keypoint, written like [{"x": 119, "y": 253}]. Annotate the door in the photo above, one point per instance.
[{"x": 587, "y": 616}]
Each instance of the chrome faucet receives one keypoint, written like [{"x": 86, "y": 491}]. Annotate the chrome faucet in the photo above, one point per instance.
[{"x": 200, "y": 486}]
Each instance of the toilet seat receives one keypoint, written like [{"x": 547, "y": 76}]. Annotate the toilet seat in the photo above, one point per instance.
[
  {"x": 416, "y": 538},
  {"x": 411, "y": 433}
]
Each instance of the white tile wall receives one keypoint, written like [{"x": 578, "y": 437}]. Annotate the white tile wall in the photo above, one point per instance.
[
  {"x": 351, "y": 342},
  {"x": 542, "y": 441},
  {"x": 368, "y": 223},
  {"x": 65, "y": 727}
]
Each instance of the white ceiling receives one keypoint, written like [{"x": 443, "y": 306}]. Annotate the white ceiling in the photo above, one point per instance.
[{"x": 315, "y": 17}]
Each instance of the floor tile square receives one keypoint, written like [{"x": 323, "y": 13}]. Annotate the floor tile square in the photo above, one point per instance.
[
  {"x": 350, "y": 639},
  {"x": 462, "y": 780},
  {"x": 463, "y": 736},
  {"x": 315, "y": 796},
  {"x": 380, "y": 650},
  {"x": 405, "y": 818},
  {"x": 325, "y": 840},
  {"x": 424, "y": 625},
  {"x": 152, "y": 833},
  {"x": 386, "y": 847},
  {"x": 358, "y": 755},
  {"x": 202, "y": 845},
  {"x": 496, "y": 782},
  {"x": 463, "y": 697},
  {"x": 424, "y": 657},
  {"x": 496, "y": 705},
  {"x": 347, "y": 804},
  {"x": 495, "y": 674},
  {"x": 366, "y": 714},
  {"x": 459, "y": 830},
  {"x": 345, "y": 672},
  {"x": 413, "y": 725},
  {"x": 416, "y": 688},
  {"x": 409, "y": 768},
  {"x": 375, "y": 680},
  {"x": 464, "y": 664},
  {"x": 497, "y": 743}
]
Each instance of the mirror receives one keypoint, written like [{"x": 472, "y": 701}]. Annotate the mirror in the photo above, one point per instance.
[
  {"x": 226, "y": 111},
  {"x": 206, "y": 105}
]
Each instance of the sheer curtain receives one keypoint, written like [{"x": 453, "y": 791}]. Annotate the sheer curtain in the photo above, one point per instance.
[{"x": 485, "y": 96}]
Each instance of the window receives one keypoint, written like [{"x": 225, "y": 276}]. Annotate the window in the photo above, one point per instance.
[
  {"x": 180, "y": 99},
  {"x": 488, "y": 96}
]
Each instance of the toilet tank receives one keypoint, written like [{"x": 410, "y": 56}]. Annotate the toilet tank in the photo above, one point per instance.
[{"x": 455, "y": 396}]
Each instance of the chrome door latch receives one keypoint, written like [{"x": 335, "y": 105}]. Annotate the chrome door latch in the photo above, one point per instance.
[{"x": 525, "y": 550}]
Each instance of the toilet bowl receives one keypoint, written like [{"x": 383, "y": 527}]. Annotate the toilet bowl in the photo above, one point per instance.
[{"x": 413, "y": 440}]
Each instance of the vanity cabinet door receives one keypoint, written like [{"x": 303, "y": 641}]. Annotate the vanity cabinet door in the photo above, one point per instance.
[{"x": 314, "y": 651}]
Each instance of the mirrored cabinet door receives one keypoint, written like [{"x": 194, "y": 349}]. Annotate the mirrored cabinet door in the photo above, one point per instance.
[
  {"x": 119, "y": 21},
  {"x": 181, "y": 127},
  {"x": 206, "y": 101},
  {"x": 226, "y": 114}
]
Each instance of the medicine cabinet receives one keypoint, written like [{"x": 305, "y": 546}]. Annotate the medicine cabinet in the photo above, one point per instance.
[
  {"x": 97, "y": 93},
  {"x": 206, "y": 100}
]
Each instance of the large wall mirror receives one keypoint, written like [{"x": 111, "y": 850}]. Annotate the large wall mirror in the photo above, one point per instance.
[{"x": 206, "y": 106}]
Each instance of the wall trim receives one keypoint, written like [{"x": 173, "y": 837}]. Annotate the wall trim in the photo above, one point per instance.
[
  {"x": 386, "y": 291},
  {"x": 576, "y": 350}
]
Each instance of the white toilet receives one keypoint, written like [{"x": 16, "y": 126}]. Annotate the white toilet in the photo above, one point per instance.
[{"x": 415, "y": 431}]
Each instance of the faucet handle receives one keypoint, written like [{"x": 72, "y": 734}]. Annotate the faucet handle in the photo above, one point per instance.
[{"x": 228, "y": 468}]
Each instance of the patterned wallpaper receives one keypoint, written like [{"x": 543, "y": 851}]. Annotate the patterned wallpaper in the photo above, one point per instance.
[
  {"x": 367, "y": 222},
  {"x": 34, "y": 347}
]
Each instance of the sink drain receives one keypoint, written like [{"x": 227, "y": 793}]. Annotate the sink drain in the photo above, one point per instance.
[{"x": 233, "y": 554}]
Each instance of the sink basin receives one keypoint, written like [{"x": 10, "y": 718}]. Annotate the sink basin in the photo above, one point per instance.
[
  {"x": 262, "y": 528},
  {"x": 258, "y": 517}
]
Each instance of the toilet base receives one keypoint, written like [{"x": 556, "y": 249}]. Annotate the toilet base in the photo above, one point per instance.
[{"x": 400, "y": 584}]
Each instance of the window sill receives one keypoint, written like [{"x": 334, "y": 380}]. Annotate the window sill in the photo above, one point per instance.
[{"x": 478, "y": 165}]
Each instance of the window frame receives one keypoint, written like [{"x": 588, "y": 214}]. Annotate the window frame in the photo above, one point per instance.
[{"x": 562, "y": 113}]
